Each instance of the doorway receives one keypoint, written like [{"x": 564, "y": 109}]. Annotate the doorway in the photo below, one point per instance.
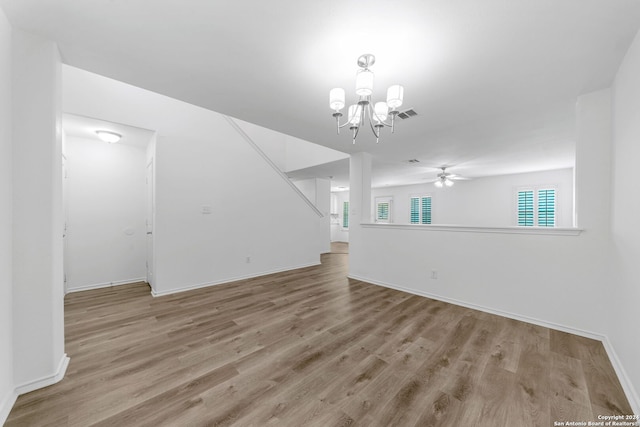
[
  {"x": 150, "y": 201},
  {"x": 108, "y": 204}
]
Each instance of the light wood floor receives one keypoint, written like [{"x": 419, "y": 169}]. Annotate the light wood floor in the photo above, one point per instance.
[
  {"x": 339, "y": 248},
  {"x": 310, "y": 347}
]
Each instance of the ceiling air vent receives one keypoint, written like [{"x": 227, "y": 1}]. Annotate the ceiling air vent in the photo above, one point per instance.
[
  {"x": 412, "y": 161},
  {"x": 407, "y": 114}
]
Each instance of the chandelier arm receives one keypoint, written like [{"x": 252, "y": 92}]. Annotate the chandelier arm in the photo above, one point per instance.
[
  {"x": 387, "y": 123},
  {"x": 371, "y": 120},
  {"x": 356, "y": 129}
]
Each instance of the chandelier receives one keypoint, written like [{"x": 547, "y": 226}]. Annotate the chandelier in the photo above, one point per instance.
[{"x": 377, "y": 115}]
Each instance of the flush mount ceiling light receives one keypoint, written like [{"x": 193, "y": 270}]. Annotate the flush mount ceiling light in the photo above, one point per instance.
[
  {"x": 378, "y": 114},
  {"x": 108, "y": 136}
]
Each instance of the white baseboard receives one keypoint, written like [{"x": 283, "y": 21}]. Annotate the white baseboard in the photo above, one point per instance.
[
  {"x": 105, "y": 285},
  {"x": 6, "y": 404},
  {"x": 45, "y": 381},
  {"x": 229, "y": 280},
  {"x": 507, "y": 314},
  {"x": 625, "y": 382}
]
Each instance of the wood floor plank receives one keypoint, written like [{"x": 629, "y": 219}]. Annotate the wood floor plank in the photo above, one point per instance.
[
  {"x": 310, "y": 347},
  {"x": 442, "y": 410},
  {"x": 531, "y": 397},
  {"x": 605, "y": 391},
  {"x": 569, "y": 391},
  {"x": 469, "y": 368}
]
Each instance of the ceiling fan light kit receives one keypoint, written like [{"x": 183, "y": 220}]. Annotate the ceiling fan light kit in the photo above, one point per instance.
[
  {"x": 378, "y": 114},
  {"x": 443, "y": 182},
  {"x": 445, "y": 179}
]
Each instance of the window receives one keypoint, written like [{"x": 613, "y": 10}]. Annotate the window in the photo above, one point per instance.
[
  {"x": 383, "y": 209},
  {"x": 547, "y": 208},
  {"x": 525, "y": 208},
  {"x": 545, "y": 214},
  {"x": 420, "y": 210},
  {"x": 345, "y": 215}
]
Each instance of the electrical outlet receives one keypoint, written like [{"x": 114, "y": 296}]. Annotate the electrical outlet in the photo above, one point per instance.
[{"x": 434, "y": 274}]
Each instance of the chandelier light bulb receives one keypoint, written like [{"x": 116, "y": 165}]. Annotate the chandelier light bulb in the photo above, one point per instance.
[
  {"x": 381, "y": 111},
  {"x": 364, "y": 82},
  {"x": 438, "y": 184},
  {"x": 395, "y": 95},
  {"x": 355, "y": 114},
  {"x": 336, "y": 98},
  {"x": 448, "y": 182}
]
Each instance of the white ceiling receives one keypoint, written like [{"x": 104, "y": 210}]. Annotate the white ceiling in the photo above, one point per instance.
[{"x": 494, "y": 82}]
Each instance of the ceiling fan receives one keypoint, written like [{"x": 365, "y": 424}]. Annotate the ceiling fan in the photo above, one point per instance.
[{"x": 445, "y": 179}]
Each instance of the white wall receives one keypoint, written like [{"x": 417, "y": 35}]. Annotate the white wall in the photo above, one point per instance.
[
  {"x": 308, "y": 188},
  {"x": 273, "y": 144},
  {"x": 318, "y": 191},
  {"x": 287, "y": 152},
  {"x": 502, "y": 272},
  {"x": 106, "y": 240},
  {"x": 624, "y": 287},
  {"x": 338, "y": 233},
  {"x": 38, "y": 312},
  {"x": 202, "y": 161},
  {"x": 323, "y": 203},
  {"x": 489, "y": 201},
  {"x": 302, "y": 154},
  {"x": 7, "y": 396}
]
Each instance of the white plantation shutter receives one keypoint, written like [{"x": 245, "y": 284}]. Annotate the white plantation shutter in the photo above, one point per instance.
[
  {"x": 383, "y": 209},
  {"x": 382, "y": 213},
  {"x": 426, "y": 210},
  {"x": 345, "y": 215},
  {"x": 547, "y": 208},
  {"x": 537, "y": 208},
  {"x": 420, "y": 210},
  {"x": 525, "y": 208},
  {"x": 415, "y": 210}
]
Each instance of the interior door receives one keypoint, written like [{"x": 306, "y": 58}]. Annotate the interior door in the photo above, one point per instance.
[{"x": 149, "y": 221}]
